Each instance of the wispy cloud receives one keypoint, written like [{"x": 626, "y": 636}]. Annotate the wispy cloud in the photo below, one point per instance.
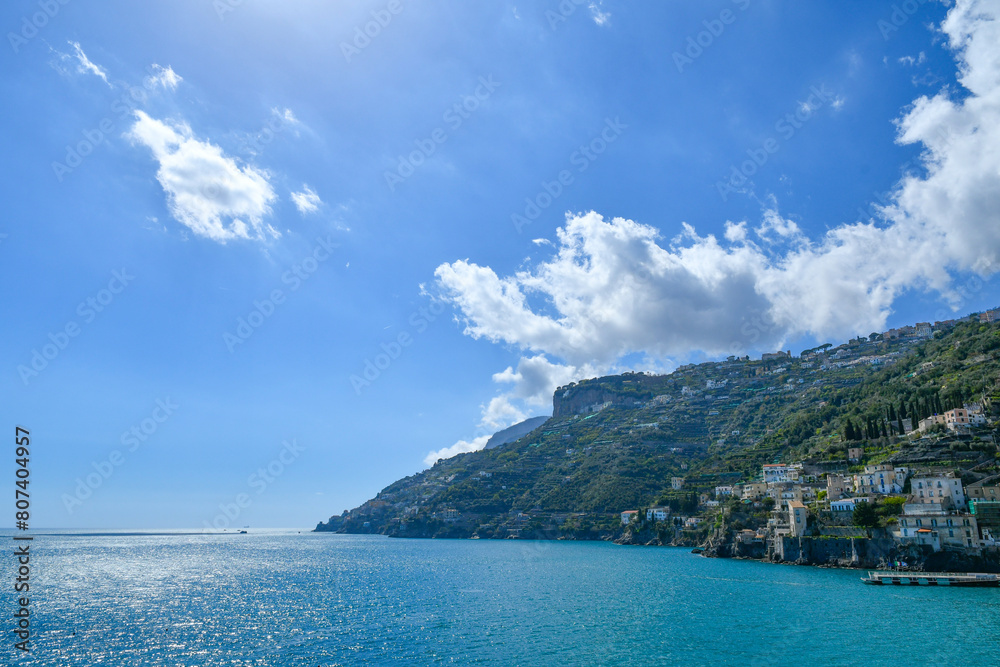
[
  {"x": 613, "y": 290},
  {"x": 306, "y": 201},
  {"x": 163, "y": 76},
  {"x": 910, "y": 60},
  {"x": 207, "y": 191},
  {"x": 600, "y": 18},
  {"x": 82, "y": 64}
]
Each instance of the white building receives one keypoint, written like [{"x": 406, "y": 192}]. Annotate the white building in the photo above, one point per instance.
[
  {"x": 657, "y": 513},
  {"x": 721, "y": 491},
  {"x": 942, "y": 488},
  {"x": 882, "y": 479},
  {"x": 952, "y": 529},
  {"x": 779, "y": 472},
  {"x": 846, "y": 505},
  {"x": 798, "y": 517}
]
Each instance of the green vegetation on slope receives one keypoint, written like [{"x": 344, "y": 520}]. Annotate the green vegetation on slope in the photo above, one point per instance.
[{"x": 617, "y": 442}]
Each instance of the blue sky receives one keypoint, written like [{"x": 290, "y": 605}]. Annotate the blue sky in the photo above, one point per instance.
[{"x": 374, "y": 247}]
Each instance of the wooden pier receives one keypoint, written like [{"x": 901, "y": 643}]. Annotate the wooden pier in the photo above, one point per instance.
[{"x": 932, "y": 579}]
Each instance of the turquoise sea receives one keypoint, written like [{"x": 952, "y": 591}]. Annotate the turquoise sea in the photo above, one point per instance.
[{"x": 289, "y": 598}]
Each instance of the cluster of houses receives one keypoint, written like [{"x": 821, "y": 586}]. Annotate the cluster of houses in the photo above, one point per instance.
[
  {"x": 663, "y": 514},
  {"x": 959, "y": 419},
  {"x": 939, "y": 511}
]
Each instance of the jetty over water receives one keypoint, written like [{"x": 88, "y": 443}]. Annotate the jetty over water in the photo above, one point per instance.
[{"x": 932, "y": 579}]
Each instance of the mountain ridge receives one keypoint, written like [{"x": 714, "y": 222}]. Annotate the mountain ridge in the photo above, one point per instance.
[{"x": 621, "y": 442}]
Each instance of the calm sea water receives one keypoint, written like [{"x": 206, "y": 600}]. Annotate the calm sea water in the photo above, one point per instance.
[{"x": 283, "y": 598}]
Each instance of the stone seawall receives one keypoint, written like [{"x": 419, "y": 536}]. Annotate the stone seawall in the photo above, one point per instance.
[{"x": 841, "y": 551}]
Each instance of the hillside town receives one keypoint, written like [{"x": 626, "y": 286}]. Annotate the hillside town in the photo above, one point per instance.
[
  {"x": 939, "y": 508},
  {"x": 831, "y": 455}
]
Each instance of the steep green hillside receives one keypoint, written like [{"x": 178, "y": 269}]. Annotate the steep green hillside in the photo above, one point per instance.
[{"x": 615, "y": 443}]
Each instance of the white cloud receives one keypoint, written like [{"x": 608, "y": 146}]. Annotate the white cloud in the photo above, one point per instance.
[
  {"x": 736, "y": 232},
  {"x": 285, "y": 117},
  {"x": 460, "y": 447},
  {"x": 286, "y": 114},
  {"x": 775, "y": 229},
  {"x": 306, "y": 201},
  {"x": 163, "y": 76},
  {"x": 83, "y": 64},
  {"x": 613, "y": 288},
  {"x": 533, "y": 383},
  {"x": 600, "y": 18},
  {"x": 910, "y": 60},
  {"x": 207, "y": 191},
  {"x": 500, "y": 413}
]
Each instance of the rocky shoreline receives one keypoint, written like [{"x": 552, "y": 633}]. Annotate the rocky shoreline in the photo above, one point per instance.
[{"x": 877, "y": 552}]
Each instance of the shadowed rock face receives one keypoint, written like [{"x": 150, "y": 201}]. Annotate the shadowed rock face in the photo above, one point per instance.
[
  {"x": 582, "y": 400},
  {"x": 514, "y": 432}
]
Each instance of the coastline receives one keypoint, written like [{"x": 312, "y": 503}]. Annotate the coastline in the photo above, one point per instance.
[{"x": 877, "y": 553}]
